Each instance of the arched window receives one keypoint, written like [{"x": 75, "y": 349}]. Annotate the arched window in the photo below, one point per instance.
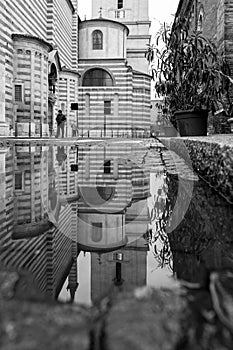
[
  {"x": 97, "y": 77},
  {"x": 97, "y": 40}
]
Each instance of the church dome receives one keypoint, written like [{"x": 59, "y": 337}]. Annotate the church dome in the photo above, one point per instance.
[{"x": 102, "y": 39}]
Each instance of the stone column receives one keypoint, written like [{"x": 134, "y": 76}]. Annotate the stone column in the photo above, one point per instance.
[
  {"x": 32, "y": 97},
  {"x": 42, "y": 116},
  {"x": 67, "y": 104},
  {"x": 32, "y": 171}
]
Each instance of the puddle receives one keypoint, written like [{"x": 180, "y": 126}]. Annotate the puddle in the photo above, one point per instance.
[{"x": 86, "y": 220}]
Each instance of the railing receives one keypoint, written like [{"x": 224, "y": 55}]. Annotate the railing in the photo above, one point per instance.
[
  {"x": 36, "y": 129},
  {"x": 30, "y": 129},
  {"x": 114, "y": 133}
]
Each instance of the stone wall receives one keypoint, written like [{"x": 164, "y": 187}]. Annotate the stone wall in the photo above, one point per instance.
[
  {"x": 211, "y": 157},
  {"x": 34, "y": 19}
]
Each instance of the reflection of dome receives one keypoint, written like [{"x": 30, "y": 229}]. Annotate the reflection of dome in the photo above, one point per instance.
[
  {"x": 103, "y": 249},
  {"x": 96, "y": 195},
  {"x": 98, "y": 232}
]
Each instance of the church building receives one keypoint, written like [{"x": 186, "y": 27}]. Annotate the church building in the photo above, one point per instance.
[
  {"x": 94, "y": 71},
  {"x": 38, "y": 65},
  {"x": 114, "y": 96}
]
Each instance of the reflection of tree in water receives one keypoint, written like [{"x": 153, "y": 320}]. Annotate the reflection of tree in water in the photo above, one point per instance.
[
  {"x": 198, "y": 251},
  {"x": 156, "y": 235}
]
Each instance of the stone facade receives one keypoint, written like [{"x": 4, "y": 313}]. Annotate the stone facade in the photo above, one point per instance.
[
  {"x": 50, "y": 43},
  {"x": 120, "y": 57},
  {"x": 134, "y": 14},
  {"x": 39, "y": 60},
  {"x": 30, "y": 80}
]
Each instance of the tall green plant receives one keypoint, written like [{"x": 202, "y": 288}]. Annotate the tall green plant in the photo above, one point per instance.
[{"x": 188, "y": 70}]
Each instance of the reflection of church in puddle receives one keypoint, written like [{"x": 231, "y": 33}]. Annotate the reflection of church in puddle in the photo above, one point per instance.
[
  {"x": 38, "y": 224},
  {"x": 41, "y": 196},
  {"x": 113, "y": 215}
]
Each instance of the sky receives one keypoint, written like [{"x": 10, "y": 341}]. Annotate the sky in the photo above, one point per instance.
[{"x": 159, "y": 11}]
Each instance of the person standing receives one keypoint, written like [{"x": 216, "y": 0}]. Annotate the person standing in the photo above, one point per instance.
[
  {"x": 74, "y": 130},
  {"x": 61, "y": 118}
]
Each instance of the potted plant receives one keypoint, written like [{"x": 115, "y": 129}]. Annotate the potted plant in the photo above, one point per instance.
[{"x": 191, "y": 75}]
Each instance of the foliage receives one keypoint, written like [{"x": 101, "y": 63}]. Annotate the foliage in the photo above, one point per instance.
[
  {"x": 188, "y": 70},
  {"x": 156, "y": 235}
]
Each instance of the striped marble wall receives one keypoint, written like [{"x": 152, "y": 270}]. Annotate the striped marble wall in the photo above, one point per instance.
[
  {"x": 141, "y": 102},
  {"x": 31, "y": 73},
  {"x": 18, "y": 16},
  {"x": 54, "y": 21},
  {"x": 49, "y": 256},
  {"x": 130, "y": 102},
  {"x": 59, "y": 28},
  {"x": 68, "y": 94}
]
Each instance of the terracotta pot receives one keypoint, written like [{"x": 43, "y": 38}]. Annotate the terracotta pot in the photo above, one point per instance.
[{"x": 192, "y": 123}]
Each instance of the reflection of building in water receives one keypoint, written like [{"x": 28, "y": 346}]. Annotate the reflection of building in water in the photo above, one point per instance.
[
  {"x": 113, "y": 188},
  {"x": 6, "y": 196},
  {"x": 30, "y": 191},
  {"x": 124, "y": 268},
  {"x": 202, "y": 242},
  {"x": 28, "y": 239}
]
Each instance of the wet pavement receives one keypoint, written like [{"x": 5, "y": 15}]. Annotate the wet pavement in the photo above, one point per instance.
[{"x": 102, "y": 231}]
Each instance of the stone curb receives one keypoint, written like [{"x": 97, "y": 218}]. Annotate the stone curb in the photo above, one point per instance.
[{"x": 211, "y": 157}]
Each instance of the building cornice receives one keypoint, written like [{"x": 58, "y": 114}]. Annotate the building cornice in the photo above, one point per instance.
[
  {"x": 70, "y": 71},
  {"x": 27, "y": 37},
  {"x": 139, "y": 36},
  {"x": 105, "y": 20},
  {"x": 106, "y": 249},
  {"x": 141, "y": 73},
  {"x": 71, "y": 5},
  {"x": 136, "y": 22},
  {"x": 100, "y": 60}
]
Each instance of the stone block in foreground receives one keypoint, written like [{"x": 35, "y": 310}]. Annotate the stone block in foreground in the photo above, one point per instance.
[
  {"x": 148, "y": 319},
  {"x": 36, "y": 325}
]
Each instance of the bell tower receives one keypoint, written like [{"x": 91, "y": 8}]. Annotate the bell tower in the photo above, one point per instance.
[{"x": 134, "y": 14}]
